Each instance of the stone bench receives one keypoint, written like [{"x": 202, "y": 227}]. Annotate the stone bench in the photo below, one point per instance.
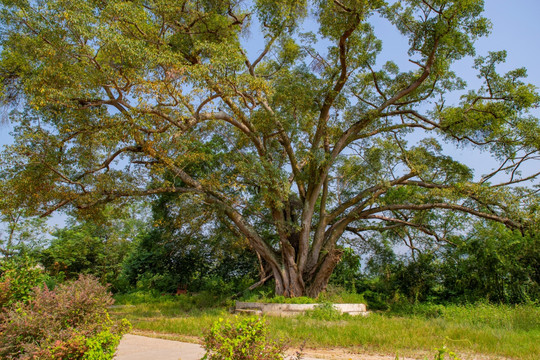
[{"x": 295, "y": 309}]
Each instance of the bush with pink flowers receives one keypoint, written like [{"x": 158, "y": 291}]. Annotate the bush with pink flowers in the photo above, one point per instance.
[{"x": 70, "y": 322}]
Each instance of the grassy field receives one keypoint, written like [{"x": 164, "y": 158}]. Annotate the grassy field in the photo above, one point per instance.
[{"x": 495, "y": 331}]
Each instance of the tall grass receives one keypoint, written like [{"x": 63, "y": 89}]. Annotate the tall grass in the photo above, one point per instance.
[{"x": 493, "y": 330}]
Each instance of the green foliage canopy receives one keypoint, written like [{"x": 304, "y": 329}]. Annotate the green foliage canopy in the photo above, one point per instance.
[{"x": 124, "y": 99}]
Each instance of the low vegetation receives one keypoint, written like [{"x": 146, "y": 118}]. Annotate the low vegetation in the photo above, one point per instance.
[
  {"x": 69, "y": 322},
  {"x": 244, "y": 339},
  {"x": 419, "y": 304},
  {"x": 407, "y": 330}
]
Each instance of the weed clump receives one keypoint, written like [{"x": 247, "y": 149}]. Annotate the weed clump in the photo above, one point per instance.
[
  {"x": 246, "y": 339},
  {"x": 326, "y": 311}
]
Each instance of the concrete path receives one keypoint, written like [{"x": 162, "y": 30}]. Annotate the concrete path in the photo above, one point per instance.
[{"x": 136, "y": 347}]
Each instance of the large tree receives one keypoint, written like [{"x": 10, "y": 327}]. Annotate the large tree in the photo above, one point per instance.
[{"x": 296, "y": 145}]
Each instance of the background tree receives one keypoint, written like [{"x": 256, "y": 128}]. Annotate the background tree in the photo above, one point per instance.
[
  {"x": 491, "y": 263},
  {"x": 306, "y": 145},
  {"x": 188, "y": 248},
  {"x": 93, "y": 246}
]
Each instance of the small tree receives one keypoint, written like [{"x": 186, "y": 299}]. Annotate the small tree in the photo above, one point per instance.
[{"x": 295, "y": 147}]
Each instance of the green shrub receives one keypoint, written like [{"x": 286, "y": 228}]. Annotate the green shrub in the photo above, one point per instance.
[
  {"x": 246, "y": 339},
  {"x": 18, "y": 276},
  {"x": 442, "y": 352},
  {"x": 376, "y": 300},
  {"x": 103, "y": 345},
  {"x": 325, "y": 311},
  {"x": 70, "y": 322}
]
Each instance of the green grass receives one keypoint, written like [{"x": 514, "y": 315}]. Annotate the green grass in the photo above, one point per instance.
[{"x": 506, "y": 331}]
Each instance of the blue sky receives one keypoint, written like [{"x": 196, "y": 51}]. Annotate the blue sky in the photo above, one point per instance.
[{"x": 516, "y": 28}]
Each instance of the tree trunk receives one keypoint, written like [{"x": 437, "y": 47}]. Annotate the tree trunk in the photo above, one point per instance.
[
  {"x": 323, "y": 273},
  {"x": 289, "y": 283},
  {"x": 295, "y": 274}
]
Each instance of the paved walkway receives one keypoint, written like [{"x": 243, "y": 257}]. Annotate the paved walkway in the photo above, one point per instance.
[{"x": 136, "y": 347}]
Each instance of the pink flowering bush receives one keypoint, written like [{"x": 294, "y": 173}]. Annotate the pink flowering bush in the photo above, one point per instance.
[{"x": 70, "y": 322}]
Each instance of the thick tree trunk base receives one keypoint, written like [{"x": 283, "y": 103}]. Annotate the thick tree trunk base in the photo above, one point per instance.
[{"x": 290, "y": 284}]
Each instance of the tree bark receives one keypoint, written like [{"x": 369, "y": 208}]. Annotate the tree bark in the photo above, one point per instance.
[
  {"x": 323, "y": 273},
  {"x": 289, "y": 283}
]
